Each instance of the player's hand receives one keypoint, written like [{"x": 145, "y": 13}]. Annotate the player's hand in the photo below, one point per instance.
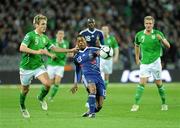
[
  {"x": 40, "y": 51},
  {"x": 74, "y": 89},
  {"x": 159, "y": 37},
  {"x": 53, "y": 56},
  {"x": 43, "y": 51},
  {"x": 75, "y": 49}
]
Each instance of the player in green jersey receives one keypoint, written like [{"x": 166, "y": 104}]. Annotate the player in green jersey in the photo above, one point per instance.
[
  {"x": 106, "y": 66},
  {"x": 31, "y": 64},
  {"x": 55, "y": 67},
  {"x": 149, "y": 43}
]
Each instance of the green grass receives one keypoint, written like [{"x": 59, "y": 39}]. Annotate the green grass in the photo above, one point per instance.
[{"x": 66, "y": 110}]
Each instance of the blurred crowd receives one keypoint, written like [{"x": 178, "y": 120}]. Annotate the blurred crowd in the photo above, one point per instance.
[{"x": 125, "y": 18}]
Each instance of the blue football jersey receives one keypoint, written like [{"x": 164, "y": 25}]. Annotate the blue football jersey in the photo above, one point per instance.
[
  {"x": 93, "y": 37},
  {"x": 87, "y": 62}
]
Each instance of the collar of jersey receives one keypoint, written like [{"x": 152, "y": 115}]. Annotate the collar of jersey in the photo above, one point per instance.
[
  {"x": 152, "y": 31},
  {"x": 91, "y": 31},
  {"x": 83, "y": 50}
]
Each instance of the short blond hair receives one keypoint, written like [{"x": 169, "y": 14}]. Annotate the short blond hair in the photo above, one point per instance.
[
  {"x": 39, "y": 17},
  {"x": 149, "y": 18}
]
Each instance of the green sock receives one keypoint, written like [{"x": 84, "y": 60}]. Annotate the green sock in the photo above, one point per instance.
[
  {"x": 22, "y": 100},
  {"x": 106, "y": 82},
  {"x": 43, "y": 93},
  {"x": 139, "y": 92},
  {"x": 55, "y": 88},
  {"x": 162, "y": 93}
]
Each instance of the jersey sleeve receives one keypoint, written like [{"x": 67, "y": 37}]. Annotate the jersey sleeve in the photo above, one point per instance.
[
  {"x": 78, "y": 74},
  {"x": 27, "y": 39},
  {"x": 101, "y": 38},
  {"x": 115, "y": 43},
  {"x": 137, "y": 41},
  {"x": 161, "y": 34}
]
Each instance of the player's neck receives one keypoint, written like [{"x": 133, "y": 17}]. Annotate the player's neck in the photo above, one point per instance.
[
  {"x": 148, "y": 32},
  {"x": 91, "y": 29},
  {"x": 38, "y": 32},
  {"x": 82, "y": 49},
  {"x": 59, "y": 40}
]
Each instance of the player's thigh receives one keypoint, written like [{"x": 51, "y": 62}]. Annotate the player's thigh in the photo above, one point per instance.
[
  {"x": 26, "y": 77},
  {"x": 44, "y": 79},
  {"x": 42, "y": 75}
]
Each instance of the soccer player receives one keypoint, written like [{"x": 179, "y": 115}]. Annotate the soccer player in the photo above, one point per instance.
[
  {"x": 55, "y": 67},
  {"x": 31, "y": 64},
  {"x": 106, "y": 65},
  {"x": 94, "y": 37},
  {"x": 87, "y": 64},
  {"x": 149, "y": 42}
]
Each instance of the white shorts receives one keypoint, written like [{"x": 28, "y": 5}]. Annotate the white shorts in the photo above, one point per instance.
[
  {"x": 55, "y": 70},
  {"x": 26, "y": 76},
  {"x": 106, "y": 66},
  {"x": 154, "y": 69}
]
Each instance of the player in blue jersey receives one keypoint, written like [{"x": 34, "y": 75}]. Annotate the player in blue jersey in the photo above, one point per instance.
[
  {"x": 94, "y": 37},
  {"x": 87, "y": 66}
]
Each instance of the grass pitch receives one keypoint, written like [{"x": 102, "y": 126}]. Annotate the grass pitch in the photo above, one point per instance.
[{"x": 66, "y": 110}]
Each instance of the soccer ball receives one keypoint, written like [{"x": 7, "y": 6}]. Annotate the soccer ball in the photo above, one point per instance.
[{"x": 106, "y": 52}]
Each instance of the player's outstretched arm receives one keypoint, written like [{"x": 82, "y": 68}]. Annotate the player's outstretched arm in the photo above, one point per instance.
[
  {"x": 45, "y": 52},
  {"x": 57, "y": 49},
  {"x": 24, "y": 48}
]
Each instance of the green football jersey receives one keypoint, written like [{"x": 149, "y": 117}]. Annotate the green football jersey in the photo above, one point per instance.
[
  {"x": 34, "y": 41},
  {"x": 151, "y": 48},
  {"x": 111, "y": 41},
  {"x": 61, "y": 57}
]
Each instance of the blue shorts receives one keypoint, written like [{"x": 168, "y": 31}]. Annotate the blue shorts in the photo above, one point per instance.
[{"x": 98, "y": 81}]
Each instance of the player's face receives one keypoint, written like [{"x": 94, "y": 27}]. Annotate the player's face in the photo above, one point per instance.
[
  {"x": 41, "y": 27},
  {"x": 81, "y": 43},
  {"x": 60, "y": 35},
  {"x": 91, "y": 25},
  {"x": 149, "y": 24},
  {"x": 105, "y": 30}
]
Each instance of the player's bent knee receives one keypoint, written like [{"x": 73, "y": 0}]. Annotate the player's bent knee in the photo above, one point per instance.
[
  {"x": 47, "y": 83},
  {"x": 25, "y": 90}
]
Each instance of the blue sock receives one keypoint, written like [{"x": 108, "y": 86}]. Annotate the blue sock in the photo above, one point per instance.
[{"x": 92, "y": 103}]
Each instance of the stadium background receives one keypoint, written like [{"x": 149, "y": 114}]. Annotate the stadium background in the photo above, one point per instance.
[{"x": 125, "y": 17}]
